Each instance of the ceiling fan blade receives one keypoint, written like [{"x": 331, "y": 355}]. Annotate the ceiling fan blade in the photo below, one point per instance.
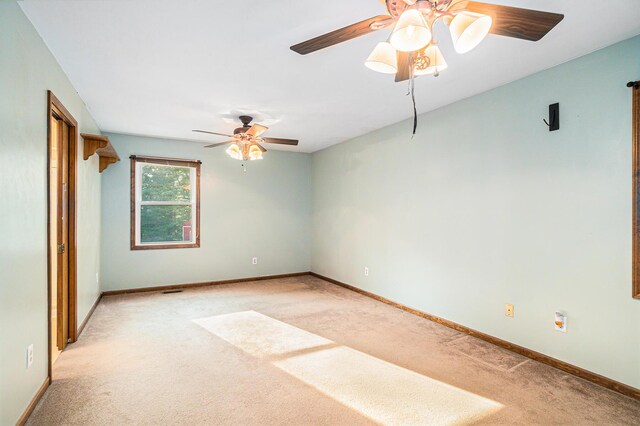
[
  {"x": 343, "y": 34},
  {"x": 217, "y": 144},
  {"x": 212, "y": 133},
  {"x": 256, "y": 130},
  {"x": 262, "y": 148},
  {"x": 404, "y": 72},
  {"x": 281, "y": 141},
  {"x": 526, "y": 24}
]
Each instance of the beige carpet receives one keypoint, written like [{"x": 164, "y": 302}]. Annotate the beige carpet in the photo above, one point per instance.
[
  {"x": 302, "y": 351},
  {"x": 378, "y": 390}
]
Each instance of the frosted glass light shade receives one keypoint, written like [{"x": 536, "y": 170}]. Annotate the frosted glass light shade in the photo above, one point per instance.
[
  {"x": 411, "y": 32},
  {"x": 383, "y": 59},
  {"x": 255, "y": 153},
  {"x": 436, "y": 61},
  {"x": 468, "y": 29},
  {"x": 234, "y": 152}
]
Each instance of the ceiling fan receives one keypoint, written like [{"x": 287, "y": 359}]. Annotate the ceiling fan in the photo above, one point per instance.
[
  {"x": 246, "y": 140},
  {"x": 412, "y": 50}
]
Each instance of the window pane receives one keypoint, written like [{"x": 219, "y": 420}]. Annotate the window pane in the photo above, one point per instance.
[
  {"x": 165, "y": 224},
  {"x": 163, "y": 183}
]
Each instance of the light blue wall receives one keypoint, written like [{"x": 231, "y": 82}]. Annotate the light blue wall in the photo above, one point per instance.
[
  {"x": 262, "y": 213},
  {"x": 485, "y": 207},
  {"x": 27, "y": 71}
]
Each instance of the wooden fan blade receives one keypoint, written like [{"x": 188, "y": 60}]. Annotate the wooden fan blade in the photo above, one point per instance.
[
  {"x": 217, "y": 144},
  {"x": 526, "y": 24},
  {"x": 262, "y": 148},
  {"x": 256, "y": 130},
  {"x": 212, "y": 133},
  {"x": 343, "y": 34},
  {"x": 281, "y": 141},
  {"x": 404, "y": 72}
]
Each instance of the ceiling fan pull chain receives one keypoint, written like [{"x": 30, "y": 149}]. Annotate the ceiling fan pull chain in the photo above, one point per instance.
[
  {"x": 412, "y": 89},
  {"x": 415, "y": 113}
]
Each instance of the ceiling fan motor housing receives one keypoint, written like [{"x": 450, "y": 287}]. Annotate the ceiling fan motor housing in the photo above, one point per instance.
[
  {"x": 245, "y": 119},
  {"x": 241, "y": 130}
]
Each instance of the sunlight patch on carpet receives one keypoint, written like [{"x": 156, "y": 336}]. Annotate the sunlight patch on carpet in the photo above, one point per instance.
[
  {"x": 384, "y": 392},
  {"x": 260, "y": 335}
]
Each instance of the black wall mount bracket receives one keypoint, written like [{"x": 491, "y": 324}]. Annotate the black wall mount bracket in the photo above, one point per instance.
[{"x": 554, "y": 117}]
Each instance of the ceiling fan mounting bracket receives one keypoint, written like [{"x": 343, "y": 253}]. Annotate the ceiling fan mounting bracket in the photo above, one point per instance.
[{"x": 245, "y": 119}]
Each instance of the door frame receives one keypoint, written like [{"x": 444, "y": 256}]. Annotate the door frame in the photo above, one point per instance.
[{"x": 55, "y": 106}]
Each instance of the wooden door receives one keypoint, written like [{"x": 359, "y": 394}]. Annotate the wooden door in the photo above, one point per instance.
[{"x": 61, "y": 134}]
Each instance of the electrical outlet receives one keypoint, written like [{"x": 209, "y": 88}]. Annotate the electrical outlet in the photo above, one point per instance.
[
  {"x": 366, "y": 271},
  {"x": 508, "y": 310},
  {"x": 254, "y": 261},
  {"x": 560, "y": 322},
  {"x": 29, "y": 355},
  {"x": 97, "y": 278}
]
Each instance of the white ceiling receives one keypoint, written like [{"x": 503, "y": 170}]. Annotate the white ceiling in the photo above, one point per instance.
[{"x": 164, "y": 67}]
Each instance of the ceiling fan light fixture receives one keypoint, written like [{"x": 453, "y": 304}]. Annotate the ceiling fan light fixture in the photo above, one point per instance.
[
  {"x": 234, "y": 151},
  {"x": 436, "y": 62},
  {"x": 468, "y": 29},
  {"x": 383, "y": 59},
  {"x": 411, "y": 32},
  {"x": 255, "y": 153}
]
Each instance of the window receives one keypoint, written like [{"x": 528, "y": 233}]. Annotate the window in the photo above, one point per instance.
[{"x": 165, "y": 203}]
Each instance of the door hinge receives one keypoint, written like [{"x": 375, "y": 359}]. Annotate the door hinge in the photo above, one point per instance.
[{"x": 60, "y": 248}]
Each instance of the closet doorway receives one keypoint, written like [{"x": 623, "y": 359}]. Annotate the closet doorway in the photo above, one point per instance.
[{"x": 61, "y": 168}]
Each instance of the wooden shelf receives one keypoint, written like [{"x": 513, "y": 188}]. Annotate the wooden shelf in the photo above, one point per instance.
[{"x": 98, "y": 144}]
